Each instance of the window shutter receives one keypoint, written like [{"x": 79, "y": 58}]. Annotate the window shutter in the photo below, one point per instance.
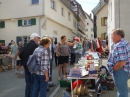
[
  {"x": 56, "y": 39},
  {"x": 33, "y": 21},
  {"x": 19, "y": 22},
  {"x": 18, "y": 39},
  {"x": 103, "y": 21},
  {"x": 2, "y": 24}
]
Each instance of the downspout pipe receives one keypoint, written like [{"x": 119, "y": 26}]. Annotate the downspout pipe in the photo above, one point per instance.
[{"x": 43, "y": 14}]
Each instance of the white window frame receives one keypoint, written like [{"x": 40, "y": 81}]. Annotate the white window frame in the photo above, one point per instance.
[
  {"x": 91, "y": 35},
  {"x": 53, "y": 4},
  {"x": 62, "y": 11},
  {"x": 74, "y": 23},
  {"x": 28, "y": 22},
  {"x": 26, "y": 39},
  {"x": 69, "y": 16}
]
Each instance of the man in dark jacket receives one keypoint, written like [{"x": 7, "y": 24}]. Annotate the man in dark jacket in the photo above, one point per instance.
[{"x": 27, "y": 51}]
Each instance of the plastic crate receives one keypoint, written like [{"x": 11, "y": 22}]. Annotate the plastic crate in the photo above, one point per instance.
[{"x": 64, "y": 83}]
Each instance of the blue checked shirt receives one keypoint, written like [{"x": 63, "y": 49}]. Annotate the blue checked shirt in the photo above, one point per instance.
[
  {"x": 120, "y": 52},
  {"x": 42, "y": 59}
]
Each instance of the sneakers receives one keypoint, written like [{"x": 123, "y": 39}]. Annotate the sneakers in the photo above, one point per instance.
[
  {"x": 16, "y": 72},
  {"x": 51, "y": 85},
  {"x": 21, "y": 76}
]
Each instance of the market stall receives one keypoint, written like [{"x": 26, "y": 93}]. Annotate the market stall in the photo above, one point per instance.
[{"x": 85, "y": 71}]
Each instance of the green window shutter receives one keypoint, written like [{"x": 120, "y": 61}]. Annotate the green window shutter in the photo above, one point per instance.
[
  {"x": 19, "y": 22},
  {"x": 56, "y": 39},
  {"x": 2, "y": 24},
  {"x": 18, "y": 39},
  {"x": 33, "y": 21},
  {"x": 2, "y": 41}
]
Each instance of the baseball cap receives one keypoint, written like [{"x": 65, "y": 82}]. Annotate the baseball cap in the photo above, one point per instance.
[{"x": 34, "y": 35}]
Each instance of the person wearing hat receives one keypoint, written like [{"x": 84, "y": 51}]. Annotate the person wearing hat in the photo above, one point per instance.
[{"x": 26, "y": 52}]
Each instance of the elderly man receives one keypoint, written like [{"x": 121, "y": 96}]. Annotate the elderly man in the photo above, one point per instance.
[
  {"x": 119, "y": 61},
  {"x": 26, "y": 52}
]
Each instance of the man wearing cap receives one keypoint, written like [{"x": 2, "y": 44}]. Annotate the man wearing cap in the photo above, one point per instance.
[{"x": 27, "y": 51}]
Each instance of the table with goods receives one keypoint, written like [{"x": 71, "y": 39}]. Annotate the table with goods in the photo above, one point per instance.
[
  {"x": 5, "y": 62},
  {"x": 84, "y": 76}
]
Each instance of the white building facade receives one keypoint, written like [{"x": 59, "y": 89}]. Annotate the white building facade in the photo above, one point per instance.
[
  {"x": 118, "y": 17},
  {"x": 19, "y": 19},
  {"x": 89, "y": 27}
]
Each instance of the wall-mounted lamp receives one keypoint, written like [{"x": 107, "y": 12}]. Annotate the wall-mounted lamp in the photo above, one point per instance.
[{"x": 13, "y": 20}]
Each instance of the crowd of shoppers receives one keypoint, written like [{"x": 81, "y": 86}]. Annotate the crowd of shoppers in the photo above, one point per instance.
[{"x": 46, "y": 50}]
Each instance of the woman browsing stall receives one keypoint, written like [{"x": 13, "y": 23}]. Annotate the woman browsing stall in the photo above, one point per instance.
[{"x": 41, "y": 77}]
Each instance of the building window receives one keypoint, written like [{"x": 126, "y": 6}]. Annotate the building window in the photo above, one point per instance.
[
  {"x": 2, "y": 24},
  {"x": 62, "y": 11},
  {"x": 92, "y": 35},
  {"x": 35, "y": 1},
  {"x": 27, "y": 22},
  {"x": 53, "y": 4},
  {"x": 91, "y": 29},
  {"x": 86, "y": 36},
  {"x": 86, "y": 30},
  {"x": 87, "y": 23},
  {"x": 74, "y": 23},
  {"x": 104, "y": 21},
  {"x": 68, "y": 15},
  {"x": 26, "y": 39}
]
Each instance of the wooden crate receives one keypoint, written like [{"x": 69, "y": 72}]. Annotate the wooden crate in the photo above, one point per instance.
[{"x": 9, "y": 67}]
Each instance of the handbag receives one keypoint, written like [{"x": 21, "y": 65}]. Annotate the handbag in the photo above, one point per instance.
[{"x": 12, "y": 56}]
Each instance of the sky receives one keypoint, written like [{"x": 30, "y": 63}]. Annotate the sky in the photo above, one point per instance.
[{"x": 88, "y": 5}]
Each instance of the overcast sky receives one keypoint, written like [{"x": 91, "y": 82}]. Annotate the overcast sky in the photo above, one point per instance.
[{"x": 88, "y": 5}]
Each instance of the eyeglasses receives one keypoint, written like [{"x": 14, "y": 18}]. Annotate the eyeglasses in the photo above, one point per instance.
[{"x": 38, "y": 37}]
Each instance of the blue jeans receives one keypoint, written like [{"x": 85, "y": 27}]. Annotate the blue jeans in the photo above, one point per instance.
[
  {"x": 29, "y": 83},
  {"x": 40, "y": 85},
  {"x": 120, "y": 79}
]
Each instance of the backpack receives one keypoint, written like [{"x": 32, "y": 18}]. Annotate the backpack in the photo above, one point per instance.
[{"x": 32, "y": 63}]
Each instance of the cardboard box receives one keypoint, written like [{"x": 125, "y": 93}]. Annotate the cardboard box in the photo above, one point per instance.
[
  {"x": 97, "y": 68},
  {"x": 9, "y": 67}
]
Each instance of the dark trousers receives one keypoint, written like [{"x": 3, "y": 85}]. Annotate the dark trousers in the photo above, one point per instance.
[
  {"x": 29, "y": 83},
  {"x": 72, "y": 59},
  {"x": 56, "y": 60},
  {"x": 1, "y": 62}
]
